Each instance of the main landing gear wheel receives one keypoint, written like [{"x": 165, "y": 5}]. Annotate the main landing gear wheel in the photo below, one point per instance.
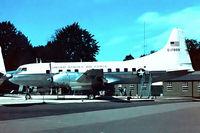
[{"x": 91, "y": 96}]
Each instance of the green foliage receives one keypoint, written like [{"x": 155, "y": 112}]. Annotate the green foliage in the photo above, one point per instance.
[
  {"x": 71, "y": 43},
  {"x": 15, "y": 46},
  {"x": 128, "y": 57},
  {"x": 151, "y": 52},
  {"x": 194, "y": 51},
  {"x": 143, "y": 55}
]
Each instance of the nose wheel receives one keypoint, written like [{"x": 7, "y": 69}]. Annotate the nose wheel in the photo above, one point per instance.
[{"x": 91, "y": 96}]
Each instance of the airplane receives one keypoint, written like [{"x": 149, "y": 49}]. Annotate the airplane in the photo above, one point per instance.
[{"x": 171, "y": 61}]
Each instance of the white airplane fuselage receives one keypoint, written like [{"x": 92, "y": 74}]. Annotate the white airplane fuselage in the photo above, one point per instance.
[{"x": 171, "y": 61}]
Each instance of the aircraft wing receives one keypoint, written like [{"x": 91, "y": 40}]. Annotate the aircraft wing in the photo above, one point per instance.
[
  {"x": 93, "y": 74},
  {"x": 179, "y": 69}
]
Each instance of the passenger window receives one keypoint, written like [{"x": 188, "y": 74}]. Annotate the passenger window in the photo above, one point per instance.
[
  {"x": 117, "y": 70},
  {"x": 109, "y": 70},
  {"x": 68, "y": 70},
  {"x": 76, "y": 70},
  {"x": 47, "y": 71},
  {"x": 125, "y": 69},
  {"x": 60, "y": 70},
  {"x": 133, "y": 69}
]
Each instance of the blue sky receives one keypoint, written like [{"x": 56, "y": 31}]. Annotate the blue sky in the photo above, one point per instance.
[{"x": 118, "y": 25}]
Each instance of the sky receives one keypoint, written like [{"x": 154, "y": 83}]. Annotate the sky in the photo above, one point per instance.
[{"x": 117, "y": 25}]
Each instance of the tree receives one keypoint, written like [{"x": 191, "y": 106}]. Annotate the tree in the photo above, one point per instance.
[
  {"x": 128, "y": 57},
  {"x": 143, "y": 55},
  {"x": 194, "y": 50},
  {"x": 15, "y": 46},
  {"x": 151, "y": 52},
  {"x": 71, "y": 43}
]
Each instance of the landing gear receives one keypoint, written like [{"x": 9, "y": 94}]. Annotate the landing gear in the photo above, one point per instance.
[{"x": 91, "y": 96}]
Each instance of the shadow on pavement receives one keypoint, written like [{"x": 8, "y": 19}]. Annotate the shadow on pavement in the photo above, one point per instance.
[
  {"x": 112, "y": 99},
  {"x": 23, "y": 104}
]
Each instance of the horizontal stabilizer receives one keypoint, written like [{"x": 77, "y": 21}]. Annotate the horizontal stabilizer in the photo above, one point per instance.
[
  {"x": 2, "y": 68},
  {"x": 179, "y": 69}
]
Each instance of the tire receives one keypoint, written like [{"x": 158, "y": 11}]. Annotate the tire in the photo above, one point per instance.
[{"x": 91, "y": 96}]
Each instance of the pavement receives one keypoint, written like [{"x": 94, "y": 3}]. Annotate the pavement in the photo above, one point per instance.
[
  {"x": 10, "y": 99},
  {"x": 169, "y": 118},
  {"x": 77, "y": 114},
  {"x": 36, "y": 99},
  {"x": 176, "y": 99}
]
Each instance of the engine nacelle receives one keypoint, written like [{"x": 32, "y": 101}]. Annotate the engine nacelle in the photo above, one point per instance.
[{"x": 61, "y": 79}]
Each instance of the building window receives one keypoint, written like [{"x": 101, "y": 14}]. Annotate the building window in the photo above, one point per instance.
[
  {"x": 76, "y": 70},
  {"x": 198, "y": 87},
  {"x": 144, "y": 86},
  {"x": 117, "y": 70},
  {"x": 109, "y": 70},
  {"x": 185, "y": 86},
  {"x": 132, "y": 86},
  {"x": 125, "y": 69},
  {"x": 169, "y": 86}
]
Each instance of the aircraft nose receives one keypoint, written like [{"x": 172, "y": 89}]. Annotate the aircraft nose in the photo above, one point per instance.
[
  {"x": 12, "y": 80},
  {"x": 9, "y": 76}
]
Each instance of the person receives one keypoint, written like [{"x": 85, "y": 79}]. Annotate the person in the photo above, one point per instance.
[
  {"x": 121, "y": 91},
  {"x": 124, "y": 91},
  {"x": 27, "y": 95},
  {"x": 130, "y": 93}
]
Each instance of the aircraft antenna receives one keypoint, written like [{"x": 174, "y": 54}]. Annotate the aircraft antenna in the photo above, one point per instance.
[{"x": 144, "y": 39}]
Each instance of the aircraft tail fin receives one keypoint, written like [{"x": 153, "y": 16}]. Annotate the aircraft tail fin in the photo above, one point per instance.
[
  {"x": 177, "y": 50},
  {"x": 2, "y": 65},
  {"x": 174, "y": 56}
]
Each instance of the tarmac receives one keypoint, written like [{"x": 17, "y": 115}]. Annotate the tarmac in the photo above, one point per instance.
[
  {"x": 171, "y": 117},
  {"x": 11, "y": 99},
  {"x": 72, "y": 114}
]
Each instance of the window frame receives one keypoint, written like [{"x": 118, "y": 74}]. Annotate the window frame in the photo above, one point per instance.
[
  {"x": 185, "y": 86},
  {"x": 169, "y": 86},
  {"x": 125, "y": 69}
]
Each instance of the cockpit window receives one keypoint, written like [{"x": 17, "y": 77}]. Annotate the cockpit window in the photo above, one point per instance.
[{"x": 22, "y": 69}]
